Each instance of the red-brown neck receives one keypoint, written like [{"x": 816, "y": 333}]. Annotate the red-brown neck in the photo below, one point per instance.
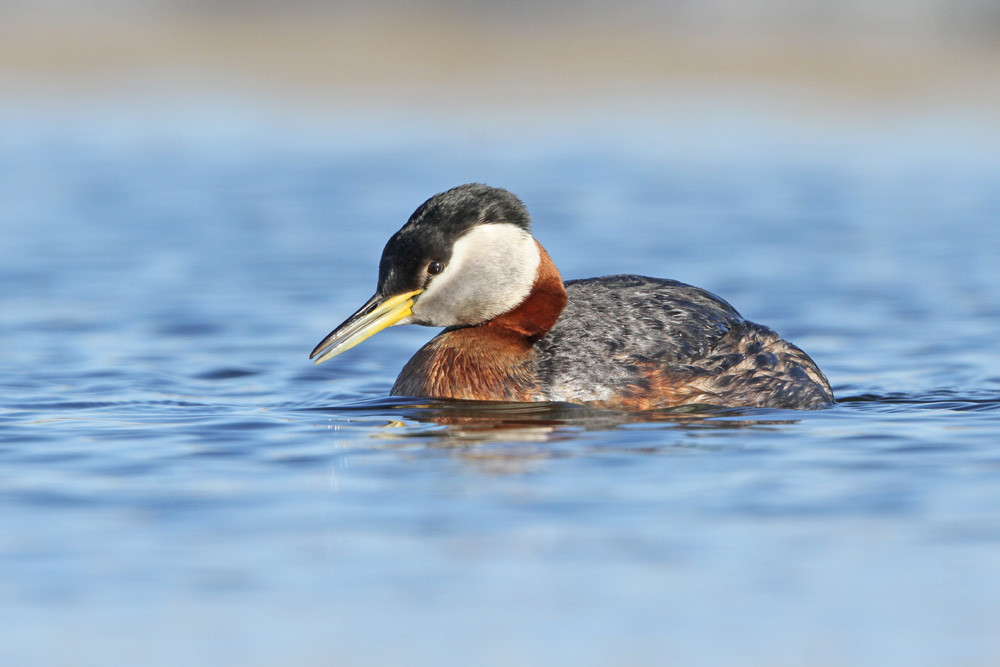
[
  {"x": 492, "y": 361},
  {"x": 539, "y": 311}
]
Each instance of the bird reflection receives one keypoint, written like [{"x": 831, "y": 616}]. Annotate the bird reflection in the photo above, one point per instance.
[{"x": 460, "y": 423}]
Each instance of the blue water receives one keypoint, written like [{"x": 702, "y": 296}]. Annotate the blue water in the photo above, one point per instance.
[{"x": 178, "y": 485}]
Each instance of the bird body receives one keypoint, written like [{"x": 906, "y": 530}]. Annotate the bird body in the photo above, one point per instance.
[{"x": 514, "y": 331}]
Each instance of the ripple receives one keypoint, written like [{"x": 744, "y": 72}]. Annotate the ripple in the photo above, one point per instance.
[
  {"x": 190, "y": 329},
  {"x": 227, "y": 374},
  {"x": 942, "y": 399}
]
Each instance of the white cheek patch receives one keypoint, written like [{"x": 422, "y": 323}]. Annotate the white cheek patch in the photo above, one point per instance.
[{"x": 491, "y": 270}]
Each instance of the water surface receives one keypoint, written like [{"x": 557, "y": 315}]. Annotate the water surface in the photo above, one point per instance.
[{"x": 180, "y": 486}]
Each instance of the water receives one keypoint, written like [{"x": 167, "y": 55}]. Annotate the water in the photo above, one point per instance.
[{"x": 179, "y": 486}]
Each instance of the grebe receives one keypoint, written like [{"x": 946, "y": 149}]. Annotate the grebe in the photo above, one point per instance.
[{"x": 514, "y": 331}]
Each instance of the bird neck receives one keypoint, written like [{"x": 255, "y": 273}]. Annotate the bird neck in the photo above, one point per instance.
[
  {"x": 492, "y": 361},
  {"x": 534, "y": 316}
]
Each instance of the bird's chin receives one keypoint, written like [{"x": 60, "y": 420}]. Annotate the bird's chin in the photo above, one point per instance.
[{"x": 422, "y": 321}]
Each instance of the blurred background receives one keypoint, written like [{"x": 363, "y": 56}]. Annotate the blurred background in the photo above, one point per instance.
[{"x": 503, "y": 57}]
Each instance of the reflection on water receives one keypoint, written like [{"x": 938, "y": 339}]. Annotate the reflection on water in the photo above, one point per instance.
[
  {"x": 458, "y": 422},
  {"x": 513, "y": 438}
]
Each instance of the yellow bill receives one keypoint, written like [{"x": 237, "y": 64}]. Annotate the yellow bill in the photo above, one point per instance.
[{"x": 378, "y": 313}]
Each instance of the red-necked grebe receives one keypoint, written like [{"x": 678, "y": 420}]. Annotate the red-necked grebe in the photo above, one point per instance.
[{"x": 514, "y": 331}]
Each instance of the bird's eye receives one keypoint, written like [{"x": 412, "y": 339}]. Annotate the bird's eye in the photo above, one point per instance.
[{"x": 435, "y": 268}]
